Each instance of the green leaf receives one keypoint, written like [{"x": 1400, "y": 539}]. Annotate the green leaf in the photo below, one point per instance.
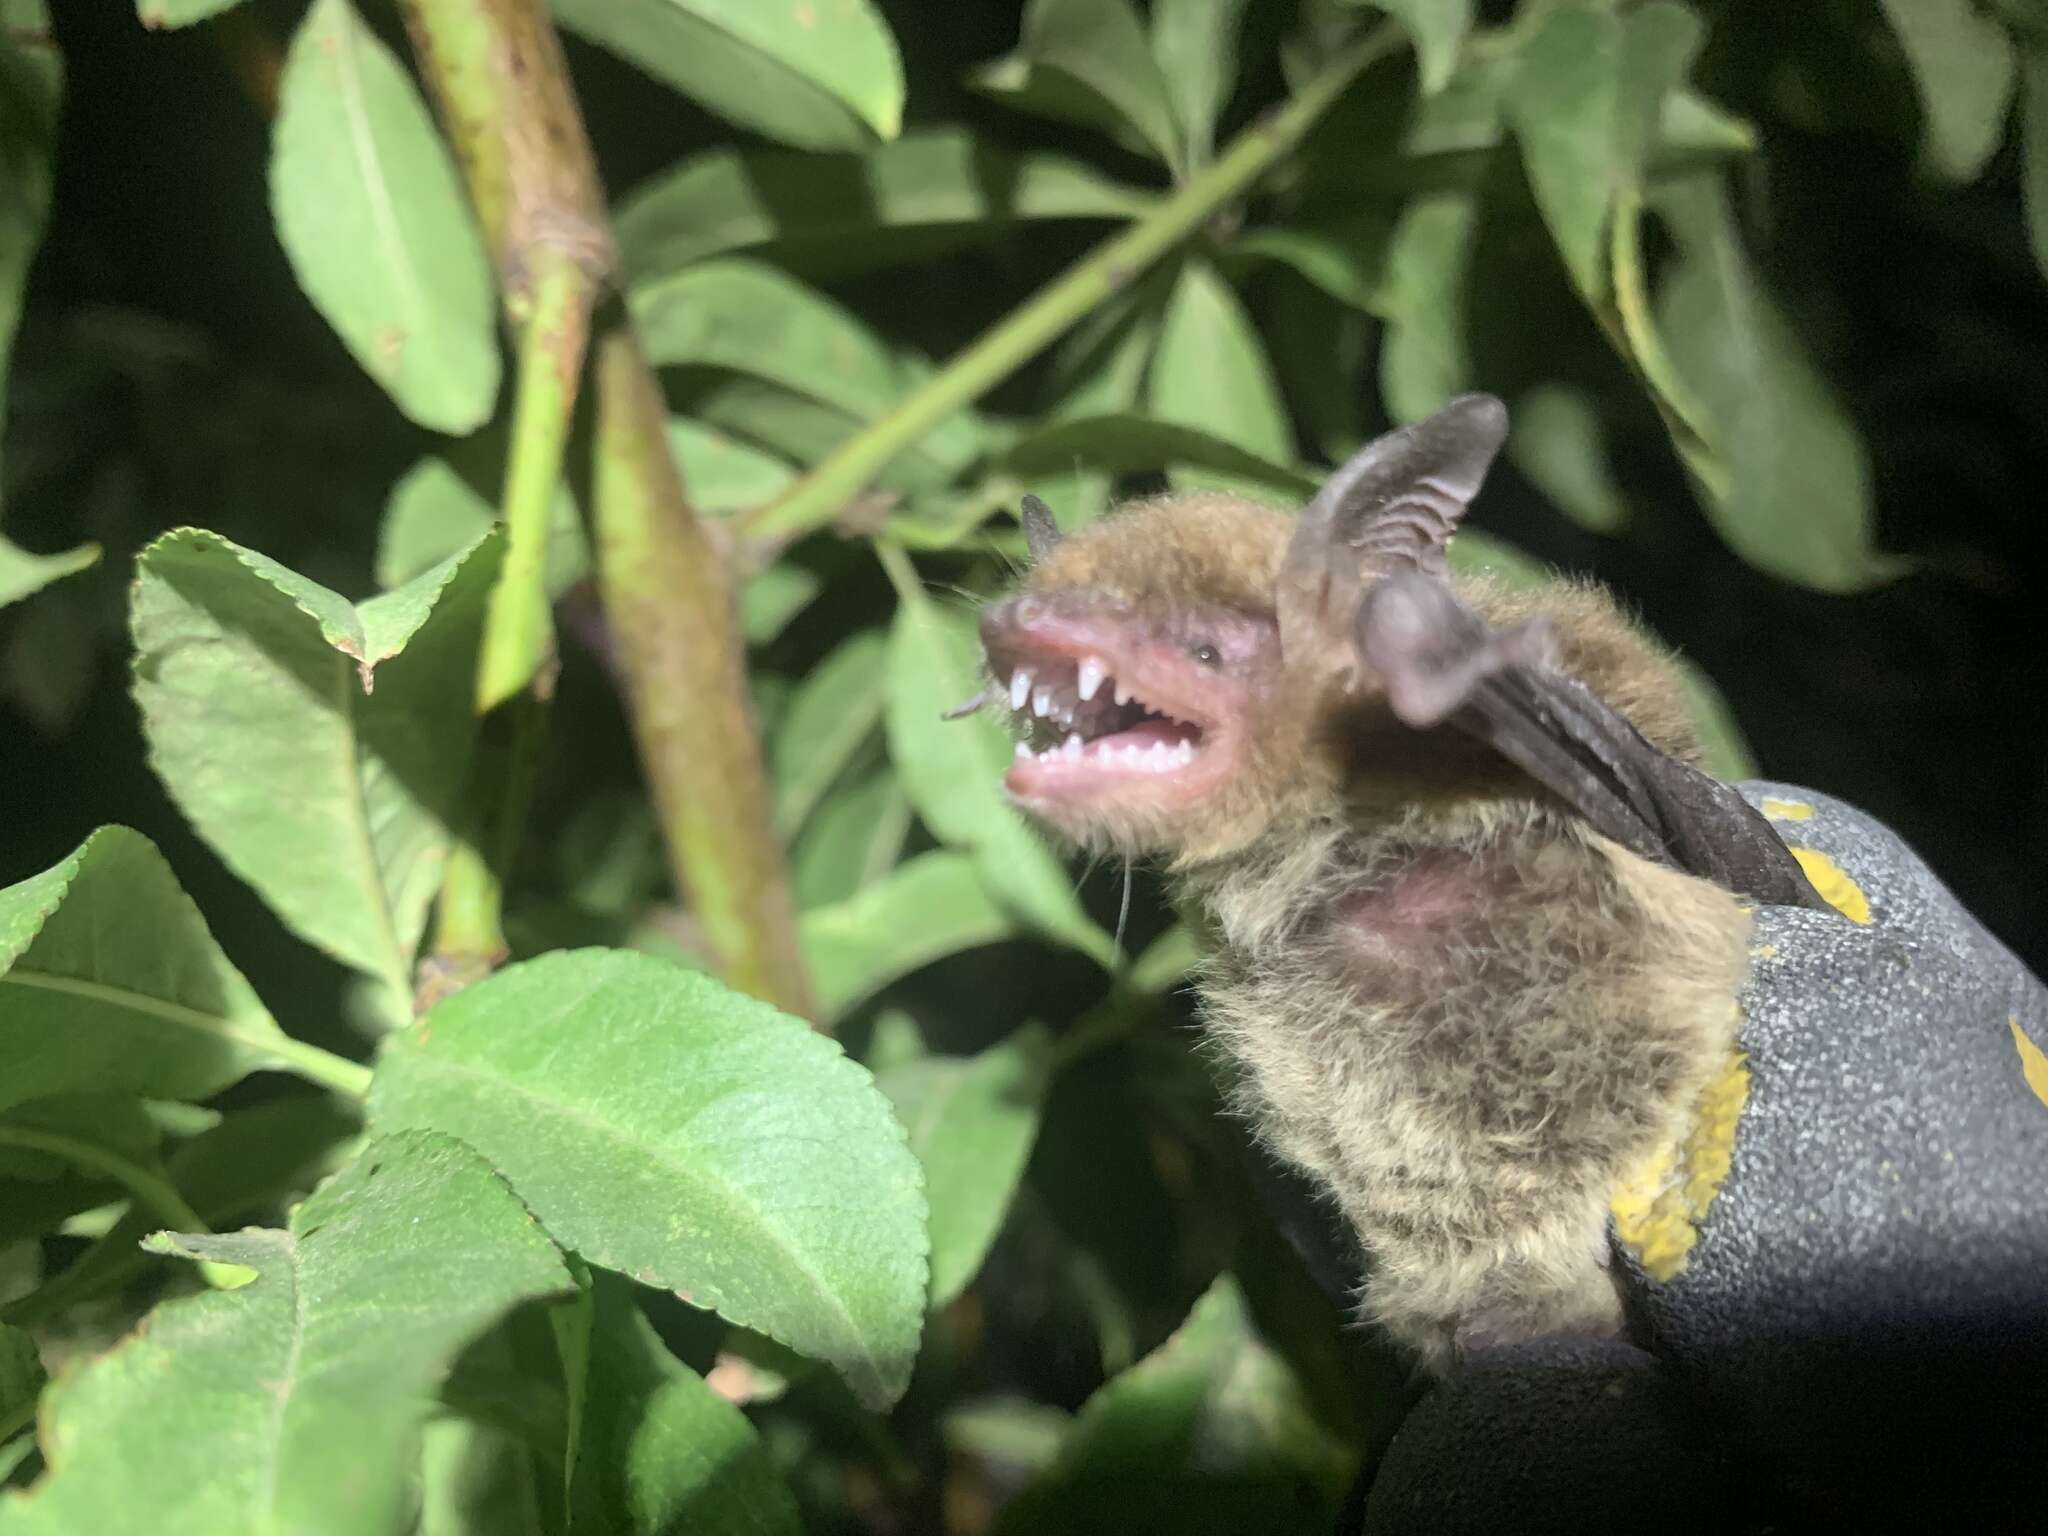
[
  {"x": 436, "y": 511},
  {"x": 972, "y": 1121},
  {"x": 1100, "y": 368},
  {"x": 1210, "y": 373},
  {"x": 477, "y": 1480},
  {"x": 289, "y": 1405},
  {"x": 1727, "y": 752},
  {"x": 22, "y": 573},
  {"x": 953, "y": 771},
  {"x": 797, "y": 427},
  {"x": 1166, "y": 961},
  {"x": 1438, "y": 28},
  {"x": 721, "y": 474},
  {"x": 1195, "y": 44},
  {"x": 1209, "y": 1434},
  {"x": 934, "y": 905},
  {"x": 373, "y": 217},
  {"x": 31, "y": 90},
  {"x": 1585, "y": 99},
  {"x": 1346, "y": 257},
  {"x": 788, "y": 1201},
  {"x": 773, "y": 598},
  {"x": 1562, "y": 104},
  {"x": 834, "y": 210},
  {"x": 1423, "y": 358},
  {"x": 250, "y": 1162},
  {"x": 1125, "y": 444},
  {"x": 1476, "y": 553},
  {"x": 180, "y": 13},
  {"x": 318, "y": 745},
  {"x": 1963, "y": 67},
  {"x": 2034, "y": 152},
  {"x": 852, "y": 840},
  {"x": 114, "y": 1123},
  {"x": 661, "y": 1451},
  {"x": 21, "y": 1378},
  {"x": 1010, "y": 1431},
  {"x": 1086, "y": 61},
  {"x": 434, "y": 514},
  {"x": 751, "y": 319},
  {"x": 824, "y": 74},
  {"x": 113, "y": 984},
  {"x": 834, "y": 710},
  {"x": 1559, "y": 442},
  {"x": 747, "y": 317},
  {"x": 1798, "y": 500}
]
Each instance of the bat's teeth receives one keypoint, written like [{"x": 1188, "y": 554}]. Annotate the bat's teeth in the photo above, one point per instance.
[
  {"x": 1020, "y": 687},
  {"x": 1041, "y": 701},
  {"x": 1184, "y": 753},
  {"x": 1071, "y": 747},
  {"x": 1089, "y": 677},
  {"x": 1022, "y": 750},
  {"x": 1122, "y": 692}
]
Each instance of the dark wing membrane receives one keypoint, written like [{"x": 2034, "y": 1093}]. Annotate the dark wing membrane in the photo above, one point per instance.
[{"x": 1442, "y": 663}]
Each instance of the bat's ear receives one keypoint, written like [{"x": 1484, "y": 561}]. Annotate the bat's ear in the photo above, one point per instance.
[
  {"x": 1041, "y": 533},
  {"x": 1390, "y": 508}
]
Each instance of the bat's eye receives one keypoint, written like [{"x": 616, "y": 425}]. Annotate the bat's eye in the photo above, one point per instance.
[{"x": 1207, "y": 655}]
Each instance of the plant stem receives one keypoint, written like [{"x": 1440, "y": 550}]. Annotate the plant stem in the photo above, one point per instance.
[
  {"x": 816, "y": 500},
  {"x": 551, "y": 345},
  {"x": 349, "y": 1078},
  {"x": 1684, "y": 418},
  {"x": 497, "y": 71},
  {"x": 495, "y": 68},
  {"x": 469, "y": 935},
  {"x": 668, "y": 599},
  {"x": 153, "y": 1193}
]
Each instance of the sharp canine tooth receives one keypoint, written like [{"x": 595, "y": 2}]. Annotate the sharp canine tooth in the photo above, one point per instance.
[
  {"x": 1089, "y": 677},
  {"x": 1020, "y": 687},
  {"x": 1022, "y": 750},
  {"x": 1041, "y": 702},
  {"x": 1123, "y": 694},
  {"x": 1071, "y": 747}
]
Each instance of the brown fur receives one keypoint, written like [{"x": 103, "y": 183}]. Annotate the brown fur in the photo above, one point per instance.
[{"x": 1444, "y": 997}]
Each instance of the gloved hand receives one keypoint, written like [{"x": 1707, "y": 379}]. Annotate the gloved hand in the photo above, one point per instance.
[{"x": 1841, "y": 1274}]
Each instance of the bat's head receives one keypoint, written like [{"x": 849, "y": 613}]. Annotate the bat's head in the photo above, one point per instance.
[{"x": 1175, "y": 668}]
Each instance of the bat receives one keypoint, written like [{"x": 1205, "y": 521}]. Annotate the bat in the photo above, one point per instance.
[{"x": 1475, "y": 918}]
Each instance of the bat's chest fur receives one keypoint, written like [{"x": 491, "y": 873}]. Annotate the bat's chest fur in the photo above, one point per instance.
[{"x": 1469, "y": 1037}]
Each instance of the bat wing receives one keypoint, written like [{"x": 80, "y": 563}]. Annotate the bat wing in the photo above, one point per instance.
[{"x": 1443, "y": 664}]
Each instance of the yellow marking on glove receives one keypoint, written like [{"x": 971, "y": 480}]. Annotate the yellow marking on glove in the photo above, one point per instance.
[
  {"x": 2033, "y": 1063},
  {"x": 1658, "y": 1209},
  {"x": 1834, "y": 884}
]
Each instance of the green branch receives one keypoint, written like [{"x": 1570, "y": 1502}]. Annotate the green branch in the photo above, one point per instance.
[
  {"x": 1684, "y": 417},
  {"x": 551, "y": 346},
  {"x": 816, "y": 500},
  {"x": 152, "y": 1193},
  {"x": 497, "y": 70},
  {"x": 667, "y": 597},
  {"x": 348, "y": 1078}
]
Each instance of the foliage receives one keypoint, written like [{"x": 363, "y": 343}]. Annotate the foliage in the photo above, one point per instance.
[{"x": 598, "y": 1243}]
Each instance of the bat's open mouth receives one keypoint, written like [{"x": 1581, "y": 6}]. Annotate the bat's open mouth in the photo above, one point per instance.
[{"x": 1105, "y": 713}]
